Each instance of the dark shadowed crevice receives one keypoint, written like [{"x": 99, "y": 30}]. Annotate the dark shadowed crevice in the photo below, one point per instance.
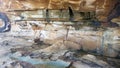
[{"x": 115, "y": 12}]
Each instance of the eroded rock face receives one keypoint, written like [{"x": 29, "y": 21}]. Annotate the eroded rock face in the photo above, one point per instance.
[
  {"x": 103, "y": 9},
  {"x": 101, "y": 42},
  {"x": 85, "y": 39},
  {"x": 103, "y": 6}
]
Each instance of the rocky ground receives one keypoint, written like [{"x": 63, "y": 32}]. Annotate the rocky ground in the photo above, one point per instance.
[{"x": 18, "y": 50}]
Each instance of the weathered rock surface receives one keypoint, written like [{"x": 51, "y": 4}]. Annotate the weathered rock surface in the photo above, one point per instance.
[
  {"x": 17, "y": 64},
  {"x": 22, "y": 46},
  {"x": 101, "y": 42}
]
